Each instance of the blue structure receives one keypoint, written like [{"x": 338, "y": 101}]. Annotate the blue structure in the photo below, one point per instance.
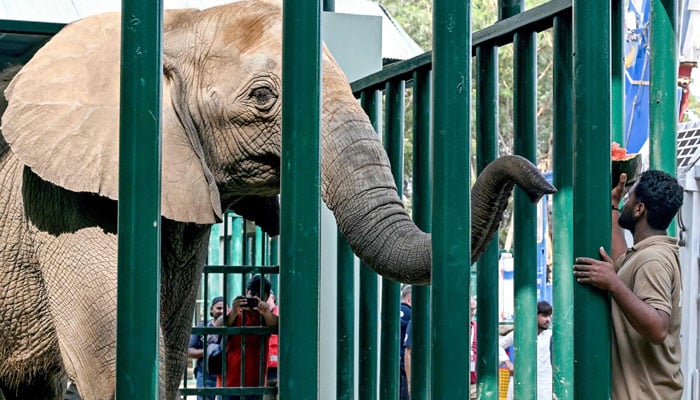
[{"x": 636, "y": 75}]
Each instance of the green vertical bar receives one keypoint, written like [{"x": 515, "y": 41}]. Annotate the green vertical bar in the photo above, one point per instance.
[
  {"x": 345, "y": 385},
  {"x": 525, "y": 226},
  {"x": 487, "y": 267},
  {"x": 214, "y": 257},
  {"x": 369, "y": 288},
  {"x": 562, "y": 209},
  {"x": 234, "y": 239},
  {"x": 591, "y": 216},
  {"x": 422, "y": 205},
  {"x": 663, "y": 98},
  {"x": 451, "y": 202},
  {"x": 391, "y": 296},
  {"x": 509, "y": 8},
  {"x": 368, "y": 346},
  {"x": 258, "y": 246},
  {"x": 138, "y": 287},
  {"x": 275, "y": 250},
  {"x": 275, "y": 260},
  {"x": 617, "y": 27},
  {"x": 300, "y": 198}
]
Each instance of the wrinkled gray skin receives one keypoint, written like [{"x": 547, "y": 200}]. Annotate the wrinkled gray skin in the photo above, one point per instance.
[{"x": 221, "y": 148}]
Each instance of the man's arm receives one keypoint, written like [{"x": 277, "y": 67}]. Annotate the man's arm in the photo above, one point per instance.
[
  {"x": 195, "y": 347},
  {"x": 407, "y": 367},
  {"x": 646, "y": 320},
  {"x": 618, "y": 244},
  {"x": 503, "y": 343},
  {"x": 193, "y": 352},
  {"x": 266, "y": 311}
]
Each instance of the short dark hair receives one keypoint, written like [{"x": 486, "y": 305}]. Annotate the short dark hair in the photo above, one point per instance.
[
  {"x": 254, "y": 285},
  {"x": 662, "y": 197},
  {"x": 544, "y": 308},
  {"x": 217, "y": 299}
]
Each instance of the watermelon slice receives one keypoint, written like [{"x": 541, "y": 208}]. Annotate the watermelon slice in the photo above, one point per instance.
[{"x": 630, "y": 164}]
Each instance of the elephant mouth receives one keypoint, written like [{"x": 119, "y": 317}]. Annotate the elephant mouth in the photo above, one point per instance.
[
  {"x": 256, "y": 175},
  {"x": 268, "y": 160}
]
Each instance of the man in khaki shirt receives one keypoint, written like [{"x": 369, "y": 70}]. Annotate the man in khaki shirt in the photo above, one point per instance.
[{"x": 645, "y": 284}]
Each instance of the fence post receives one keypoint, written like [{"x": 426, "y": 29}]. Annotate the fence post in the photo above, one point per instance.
[{"x": 138, "y": 277}]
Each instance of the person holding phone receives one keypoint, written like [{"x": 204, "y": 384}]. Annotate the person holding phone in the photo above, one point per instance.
[{"x": 249, "y": 310}]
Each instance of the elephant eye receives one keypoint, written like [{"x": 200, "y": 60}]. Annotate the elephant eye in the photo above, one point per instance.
[{"x": 263, "y": 97}]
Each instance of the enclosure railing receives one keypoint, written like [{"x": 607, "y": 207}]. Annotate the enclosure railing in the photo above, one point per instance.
[{"x": 520, "y": 30}]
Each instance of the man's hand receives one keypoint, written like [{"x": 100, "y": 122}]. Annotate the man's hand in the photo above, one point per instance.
[
  {"x": 509, "y": 365},
  {"x": 263, "y": 308},
  {"x": 599, "y": 273},
  {"x": 618, "y": 191},
  {"x": 239, "y": 303}
]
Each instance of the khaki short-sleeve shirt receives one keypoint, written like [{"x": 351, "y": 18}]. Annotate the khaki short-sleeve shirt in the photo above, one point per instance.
[{"x": 640, "y": 369}]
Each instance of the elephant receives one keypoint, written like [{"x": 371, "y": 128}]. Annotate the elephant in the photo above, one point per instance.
[{"x": 221, "y": 146}]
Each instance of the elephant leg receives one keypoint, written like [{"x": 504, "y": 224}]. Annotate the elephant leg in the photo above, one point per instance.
[
  {"x": 184, "y": 252},
  {"x": 30, "y": 362},
  {"x": 79, "y": 272}
]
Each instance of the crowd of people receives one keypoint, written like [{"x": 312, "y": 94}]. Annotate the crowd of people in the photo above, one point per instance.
[{"x": 643, "y": 281}]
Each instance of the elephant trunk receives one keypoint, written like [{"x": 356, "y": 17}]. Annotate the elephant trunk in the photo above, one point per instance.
[
  {"x": 489, "y": 196},
  {"x": 358, "y": 186}
]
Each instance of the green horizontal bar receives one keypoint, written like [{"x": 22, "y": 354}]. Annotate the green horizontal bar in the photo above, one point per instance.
[
  {"x": 230, "y": 391},
  {"x": 234, "y": 330},
  {"x": 536, "y": 19},
  {"x": 242, "y": 269},
  {"x": 30, "y": 27}
]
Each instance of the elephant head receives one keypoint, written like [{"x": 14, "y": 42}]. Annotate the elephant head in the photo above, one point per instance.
[{"x": 221, "y": 133}]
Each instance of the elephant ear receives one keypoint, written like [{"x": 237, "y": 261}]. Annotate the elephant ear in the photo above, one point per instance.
[{"x": 62, "y": 120}]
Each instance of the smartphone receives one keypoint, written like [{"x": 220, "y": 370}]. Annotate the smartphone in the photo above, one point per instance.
[{"x": 252, "y": 302}]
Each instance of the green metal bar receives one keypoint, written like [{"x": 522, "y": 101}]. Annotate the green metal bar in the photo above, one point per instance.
[
  {"x": 259, "y": 247},
  {"x": 345, "y": 385},
  {"x": 487, "y": 267},
  {"x": 509, "y": 8},
  {"x": 391, "y": 290},
  {"x": 30, "y": 27},
  {"x": 233, "y": 255},
  {"x": 300, "y": 198},
  {"x": 562, "y": 247},
  {"x": 227, "y": 241},
  {"x": 369, "y": 290},
  {"x": 536, "y": 19},
  {"x": 591, "y": 216},
  {"x": 422, "y": 205},
  {"x": 246, "y": 242},
  {"x": 617, "y": 27},
  {"x": 451, "y": 202},
  {"x": 663, "y": 98},
  {"x": 525, "y": 213},
  {"x": 371, "y": 101},
  {"x": 139, "y": 262},
  {"x": 275, "y": 260}
]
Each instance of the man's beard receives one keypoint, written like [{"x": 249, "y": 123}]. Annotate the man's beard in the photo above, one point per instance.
[{"x": 627, "y": 220}]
